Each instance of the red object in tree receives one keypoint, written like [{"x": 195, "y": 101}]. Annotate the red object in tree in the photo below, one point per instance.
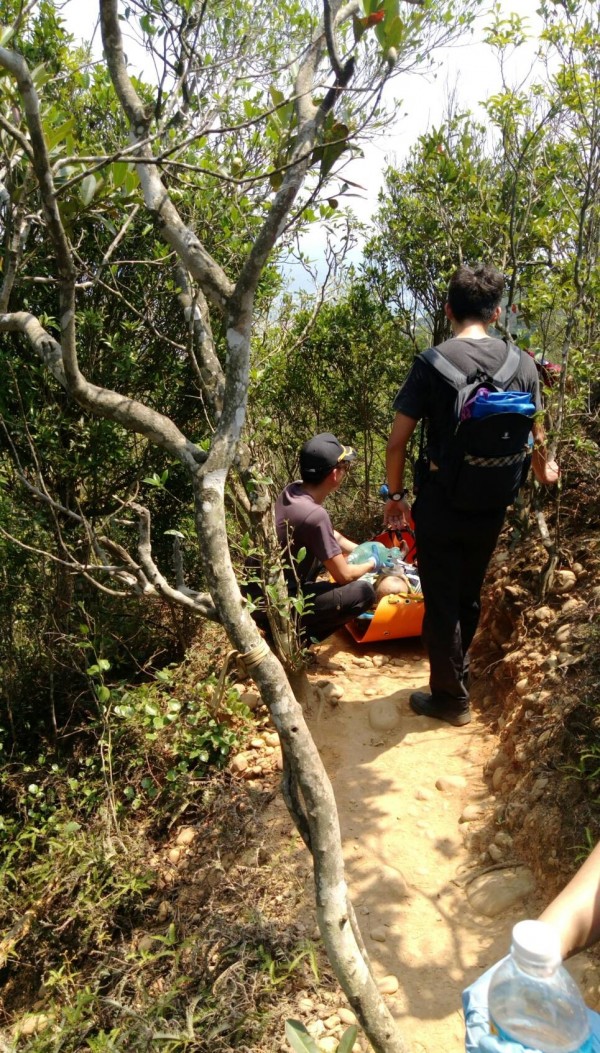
[{"x": 373, "y": 19}]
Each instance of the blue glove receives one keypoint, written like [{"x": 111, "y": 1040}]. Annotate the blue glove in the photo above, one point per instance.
[{"x": 380, "y": 564}]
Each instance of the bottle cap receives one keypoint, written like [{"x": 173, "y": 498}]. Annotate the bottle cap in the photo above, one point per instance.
[{"x": 536, "y": 943}]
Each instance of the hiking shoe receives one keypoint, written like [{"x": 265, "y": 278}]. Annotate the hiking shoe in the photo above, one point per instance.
[{"x": 423, "y": 705}]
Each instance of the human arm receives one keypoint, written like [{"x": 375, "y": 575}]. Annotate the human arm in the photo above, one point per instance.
[
  {"x": 545, "y": 469},
  {"x": 575, "y": 913},
  {"x": 345, "y": 544},
  {"x": 395, "y": 460},
  {"x": 343, "y": 572}
]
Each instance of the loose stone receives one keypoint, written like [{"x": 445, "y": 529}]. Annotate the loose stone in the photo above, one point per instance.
[
  {"x": 316, "y": 1028},
  {"x": 450, "y": 782},
  {"x": 329, "y": 1044},
  {"x": 185, "y": 836},
  {"x": 503, "y": 839},
  {"x": 164, "y": 910},
  {"x": 33, "y": 1024},
  {"x": 379, "y": 935},
  {"x": 332, "y": 1022},
  {"x": 251, "y": 699},
  {"x": 330, "y": 690},
  {"x": 383, "y": 715},
  {"x": 240, "y": 762},
  {"x": 346, "y": 1015},
  {"x": 470, "y": 813},
  {"x": 498, "y": 777},
  {"x": 388, "y": 985},
  {"x": 492, "y": 894},
  {"x": 564, "y": 581}
]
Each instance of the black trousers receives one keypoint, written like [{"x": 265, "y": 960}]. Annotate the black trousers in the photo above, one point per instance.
[
  {"x": 453, "y": 552},
  {"x": 331, "y": 606}
]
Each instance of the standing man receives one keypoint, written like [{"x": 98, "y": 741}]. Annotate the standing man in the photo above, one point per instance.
[
  {"x": 454, "y": 546},
  {"x": 304, "y": 529}
]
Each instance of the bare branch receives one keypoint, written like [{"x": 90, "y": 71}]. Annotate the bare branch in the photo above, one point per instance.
[
  {"x": 200, "y": 603},
  {"x": 129, "y": 413},
  {"x": 196, "y": 313}
]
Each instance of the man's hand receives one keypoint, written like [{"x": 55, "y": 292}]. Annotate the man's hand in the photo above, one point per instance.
[
  {"x": 396, "y": 513},
  {"x": 380, "y": 563},
  {"x": 546, "y": 472}
]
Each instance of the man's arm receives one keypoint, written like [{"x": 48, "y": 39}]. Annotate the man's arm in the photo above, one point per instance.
[
  {"x": 395, "y": 461},
  {"x": 546, "y": 471},
  {"x": 343, "y": 573},
  {"x": 345, "y": 544},
  {"x": 575, "y": 913}
]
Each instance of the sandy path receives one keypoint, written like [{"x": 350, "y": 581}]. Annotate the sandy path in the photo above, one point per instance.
[{"x": 403, "y": 842}]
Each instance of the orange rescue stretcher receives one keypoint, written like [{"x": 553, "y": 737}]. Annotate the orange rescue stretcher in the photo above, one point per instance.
[{"x": 395, "y": 617}]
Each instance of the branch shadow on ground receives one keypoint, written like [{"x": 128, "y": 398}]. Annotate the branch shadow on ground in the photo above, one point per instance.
[{"x": 406, "y": 856}]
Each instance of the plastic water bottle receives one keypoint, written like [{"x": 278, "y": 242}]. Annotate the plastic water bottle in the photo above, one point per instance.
[{"x": 533, "y": 1000}]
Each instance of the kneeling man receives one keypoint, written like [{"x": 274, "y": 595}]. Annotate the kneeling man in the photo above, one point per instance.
[{"x": 303, "y": 524}]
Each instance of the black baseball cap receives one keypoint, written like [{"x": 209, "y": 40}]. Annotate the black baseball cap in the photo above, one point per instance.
[{"x": 322, "y": 453}]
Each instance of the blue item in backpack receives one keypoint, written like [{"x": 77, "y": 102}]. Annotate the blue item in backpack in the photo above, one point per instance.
[{"x": 486, "y": 402}]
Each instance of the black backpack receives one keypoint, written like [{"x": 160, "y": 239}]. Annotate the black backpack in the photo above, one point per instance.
[{"x": 488, "y": 457}]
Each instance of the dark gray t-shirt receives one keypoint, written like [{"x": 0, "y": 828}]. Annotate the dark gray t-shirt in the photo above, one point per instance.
[
  {"x": 305, "y": 524},
  {"x": 425, "y": 393}
]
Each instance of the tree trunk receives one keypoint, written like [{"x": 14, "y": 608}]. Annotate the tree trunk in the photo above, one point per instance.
[{"x": 308, "y": 794}]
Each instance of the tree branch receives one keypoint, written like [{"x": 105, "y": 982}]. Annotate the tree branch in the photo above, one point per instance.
[{"x": 129, "y": 413}]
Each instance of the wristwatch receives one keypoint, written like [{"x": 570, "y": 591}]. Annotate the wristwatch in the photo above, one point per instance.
[{"x": 399, "y": 496}]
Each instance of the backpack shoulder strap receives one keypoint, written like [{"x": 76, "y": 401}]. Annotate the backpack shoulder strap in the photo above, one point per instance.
[
  {"x": 509, "y": 367},
  {"x": 450, "y": 372}
]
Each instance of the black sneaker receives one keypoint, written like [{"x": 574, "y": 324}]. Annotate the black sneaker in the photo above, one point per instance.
[{"x": 423, "y": 705}]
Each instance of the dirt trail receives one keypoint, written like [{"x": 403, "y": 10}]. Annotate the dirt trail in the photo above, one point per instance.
[{"x": 403, "y": 840}]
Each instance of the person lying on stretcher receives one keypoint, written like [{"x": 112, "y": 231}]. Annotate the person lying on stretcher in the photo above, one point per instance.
[{"x": 395, "y": 578}]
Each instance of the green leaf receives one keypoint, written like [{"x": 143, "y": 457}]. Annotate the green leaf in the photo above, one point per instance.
[
  {"x": 6, "y": 33},
  {"x": 88, "y": 188},
  {"x": 348, "y": 1039},
  {"x": 277, "y": 96},
  {"x": 55, "y": 135},
  {"x": 332, "y": 150},
  {"x": 299, "y": 1038},
  {"x": 102, "y": 693},
  {"x": 394, "y": 32},
  {"x": 301, "y": 554},
  {"x": 40, "y": 76}
]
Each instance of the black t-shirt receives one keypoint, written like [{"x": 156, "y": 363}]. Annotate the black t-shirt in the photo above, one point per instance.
[
  {"x": 425, "y": 393},
  {"x": 302, "y": 523}
]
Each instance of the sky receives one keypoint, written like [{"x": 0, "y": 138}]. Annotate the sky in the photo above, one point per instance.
[{"x": 468, "y": 68}]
